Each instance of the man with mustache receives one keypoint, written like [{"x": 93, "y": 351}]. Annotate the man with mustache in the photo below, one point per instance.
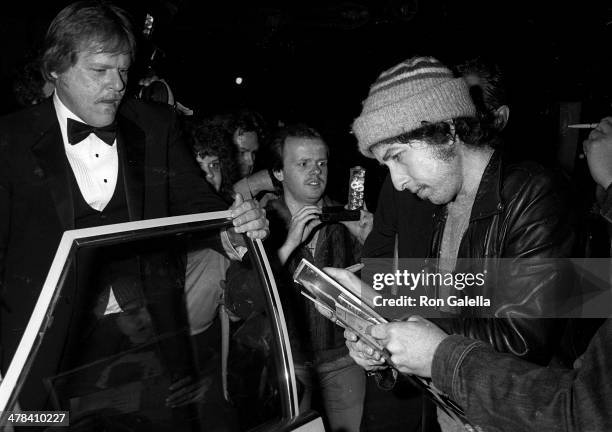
[
  {"x": 323, "y": 366},
  {"x": 86, "y": 157}
]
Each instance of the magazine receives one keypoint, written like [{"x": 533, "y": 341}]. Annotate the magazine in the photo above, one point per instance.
[{"x": 346, "y": 309}]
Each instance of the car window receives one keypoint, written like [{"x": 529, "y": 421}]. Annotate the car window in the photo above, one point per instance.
[{"x": 159, "y": 332}]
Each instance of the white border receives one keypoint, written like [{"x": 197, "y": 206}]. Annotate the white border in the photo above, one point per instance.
[{"x": 46, "y": 294}]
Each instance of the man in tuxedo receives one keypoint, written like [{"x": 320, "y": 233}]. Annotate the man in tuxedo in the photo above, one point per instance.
[{"x": 85, "y": 157}]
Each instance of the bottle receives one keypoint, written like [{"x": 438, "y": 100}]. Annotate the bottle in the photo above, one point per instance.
[
  {"x": 356, "y": 188},
  {"x": 148, "y": 49}
]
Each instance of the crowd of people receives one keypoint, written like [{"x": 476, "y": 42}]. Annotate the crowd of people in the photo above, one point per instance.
[{"x": 87, "y": 155}]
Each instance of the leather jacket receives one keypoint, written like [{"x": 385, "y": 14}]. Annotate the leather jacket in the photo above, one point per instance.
[{"x": 522, "y": 215}]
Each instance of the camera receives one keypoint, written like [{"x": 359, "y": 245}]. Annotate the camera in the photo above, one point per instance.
[{"x": 338, "y": 213}]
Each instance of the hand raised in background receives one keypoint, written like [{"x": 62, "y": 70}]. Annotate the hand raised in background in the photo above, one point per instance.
[
  {"x": 249, "y": 218},
  {"x": 301, "y": 225},
  {"x": 363, "y": 227}
]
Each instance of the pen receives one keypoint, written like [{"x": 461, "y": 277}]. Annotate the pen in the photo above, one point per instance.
[
  {"x": 355, "y": 267},
  {"x": 583, "y": 126}
]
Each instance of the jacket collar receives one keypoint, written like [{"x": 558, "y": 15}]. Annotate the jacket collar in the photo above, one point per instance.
[
  {"x": 52, "y": 164},
  {"x": 54, "y": 169},
  {"x": 488, "y": 199}
]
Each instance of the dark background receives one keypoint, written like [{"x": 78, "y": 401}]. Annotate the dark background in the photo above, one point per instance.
[{"x": 314, "y": 60}]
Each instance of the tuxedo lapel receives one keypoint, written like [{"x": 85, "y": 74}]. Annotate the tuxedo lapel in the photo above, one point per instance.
[
  {"x": 52, "y": 164},
  {"x": 131, "y": 149}
]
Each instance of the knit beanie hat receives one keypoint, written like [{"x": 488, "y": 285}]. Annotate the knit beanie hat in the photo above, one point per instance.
[{"x": 420, "y": 89}]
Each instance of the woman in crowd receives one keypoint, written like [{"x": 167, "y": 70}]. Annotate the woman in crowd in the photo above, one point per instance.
[{"x": 215, "y": 153}]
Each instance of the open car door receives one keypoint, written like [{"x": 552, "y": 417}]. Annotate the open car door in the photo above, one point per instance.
[{"x": 151, "y": 326}]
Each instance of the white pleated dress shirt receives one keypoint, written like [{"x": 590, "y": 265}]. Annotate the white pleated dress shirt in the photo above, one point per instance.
[{"x": 94, "y": 163}]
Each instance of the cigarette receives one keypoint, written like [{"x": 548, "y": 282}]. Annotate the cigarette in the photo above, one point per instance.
[
  {"x": 583, "y": 126},
  {"x": 355, "y": 267}
]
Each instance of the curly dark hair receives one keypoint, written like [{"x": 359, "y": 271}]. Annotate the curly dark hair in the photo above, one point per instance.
[
  {"x": 28, "y": 84},
  {"x": 470, "y": 130},
  {"x": 489, "y": 93},
  {"x": 242, "y": 121},
  {"x": 208, "y": 139},
  {"x": 487, "y": 85}
]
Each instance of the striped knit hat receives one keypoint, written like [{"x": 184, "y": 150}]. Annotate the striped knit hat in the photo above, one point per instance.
[{"x": 416, "y": 90}]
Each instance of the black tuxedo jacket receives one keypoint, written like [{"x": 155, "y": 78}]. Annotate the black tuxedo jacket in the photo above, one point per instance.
[{"x": 36, "y": 203}]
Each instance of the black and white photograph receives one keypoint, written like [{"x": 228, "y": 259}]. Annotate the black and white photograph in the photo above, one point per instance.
[{"x": 166, "y": 166}]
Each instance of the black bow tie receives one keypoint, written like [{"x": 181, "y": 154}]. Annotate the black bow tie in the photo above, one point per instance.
[{"x": 78, "y": 131}]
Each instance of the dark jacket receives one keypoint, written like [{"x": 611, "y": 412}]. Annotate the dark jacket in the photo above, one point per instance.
[
  {"x": 502, "y": 393},
  {"x": 161, "y": 178},
  {"x": 521, "y": 215},
  {"x": 536, "y": 398}
]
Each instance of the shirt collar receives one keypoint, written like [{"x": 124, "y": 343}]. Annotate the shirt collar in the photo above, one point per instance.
[{"x": 63, "y": 114}]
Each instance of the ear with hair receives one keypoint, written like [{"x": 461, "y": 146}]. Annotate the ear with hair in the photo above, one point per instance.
[{"x": 501, "y": 117}]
